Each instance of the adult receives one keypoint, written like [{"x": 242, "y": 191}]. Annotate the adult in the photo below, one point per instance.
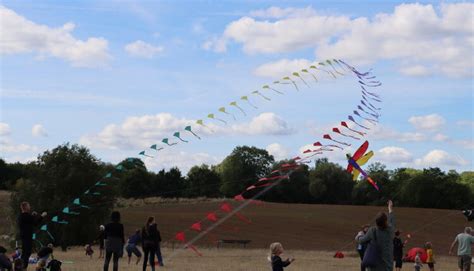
[
  {"x": 398, "y": 246},
  {"x": 149, "y": 242},
  {"x": 114, "y": 241},
  {"x": 464, "y": 241},
  {"x": 381, "y": 236},
  {"x": 361, "y": 247},
  {"x": 26, "y": 223},
  {"x": 158, "y": 247}
]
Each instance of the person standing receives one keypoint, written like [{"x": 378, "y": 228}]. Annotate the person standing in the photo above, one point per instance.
[
  {"x": 361, "y": 247},
  {"x": 26, "y": 223},
  {"x": 381, "y": 236},
  {"x": 398, "y": 246},
  {"x": 464, "y": 241},
  {"x": 149, "y": 233},
  {"x": 158, "y": 247},
  {"x": 100, "y": 239},
  {"x": 114, "y": 241}
]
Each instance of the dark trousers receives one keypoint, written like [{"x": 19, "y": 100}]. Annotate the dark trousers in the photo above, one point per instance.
[
  {"x": 108, "y": 256},
  {"x": 361, "y": 255},
  {"x": 158, "y": 255},
  {"x": 149, "y": 257},
  {"x": 26, "y": 247}
]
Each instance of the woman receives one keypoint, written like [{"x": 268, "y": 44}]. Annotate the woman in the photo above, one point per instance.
[
  {"x": 381, "y": 236},
  {"x": 114, "y": 241},
  {"x": 149, "y": 237},
  {"x": 361, "y": 247}
]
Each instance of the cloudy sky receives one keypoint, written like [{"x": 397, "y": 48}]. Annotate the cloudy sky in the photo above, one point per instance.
[{"x": 118, "y": 76}]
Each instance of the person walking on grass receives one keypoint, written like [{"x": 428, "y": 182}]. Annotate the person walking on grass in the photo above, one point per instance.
[
  {"x": 381, "y": 237},
  {"x": 100, "y": 239},
  {"x": 132, "y": 246},
  {"x": 361, "y": 247},
  {"x": 114, "y": 241},
  {"x": 276, "y": 250},
  {"x": 464, "y": 241},
  {"x": 430, "y": 259},
  {"x": 26, "y": 223},
  {"x": 149, "y": 237}
]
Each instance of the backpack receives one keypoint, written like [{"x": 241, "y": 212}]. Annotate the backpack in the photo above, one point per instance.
[
  {"x": 54, "y": 265},
  {"x": 372, "y": 253}
]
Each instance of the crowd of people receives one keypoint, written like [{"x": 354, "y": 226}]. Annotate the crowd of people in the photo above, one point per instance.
[{"x": 380, "y": 247}]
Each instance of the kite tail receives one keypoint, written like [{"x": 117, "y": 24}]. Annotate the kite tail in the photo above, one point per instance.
[
  {"x": 355, "y": 131},
  {"x": 194, "y": 134},
  {"x": 334, "y": 68},
  {"x": 243, "y": 218},
  {"x": 193, "y": 248},
  {"x": 346, "y": 135},
  {"x": 241, "y": 110},
  {"x": 182, "y": 139},
  {"x": 303, "y": 81},
  {"x": 341, "y": 142},
  {"x": 373, "y": 183},
  {"x": 221, "y": 120},
  {"x": 263, "y": 96},
  {"x": 251, "y": 104}
]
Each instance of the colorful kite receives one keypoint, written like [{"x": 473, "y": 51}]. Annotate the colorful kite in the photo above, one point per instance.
[{"x": 359, "y": 159}]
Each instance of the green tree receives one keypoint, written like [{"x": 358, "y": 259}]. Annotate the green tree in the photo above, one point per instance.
[
  {"x": 467, "y": 178},
  {"x": 170, "y": 184},
  {"x": 330, "y": 183},
  {"x": 136, "y": 183},
  {"x": 244, "y": 166},
  {"x": 202, "y": 182},
  {"x": 56, "y": 178}
]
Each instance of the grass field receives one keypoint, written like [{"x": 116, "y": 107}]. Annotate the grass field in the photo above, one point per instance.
[
  {"x": 236, "y": 259},
  {"x": 310, "y": 233}
]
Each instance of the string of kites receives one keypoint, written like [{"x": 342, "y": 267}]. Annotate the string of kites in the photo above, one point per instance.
[{"x": 367, "y": 112}]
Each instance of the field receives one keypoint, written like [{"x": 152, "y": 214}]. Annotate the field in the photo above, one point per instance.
[
  {"x": 310, "y": 233},
  {"x": 236, "y": 260}
]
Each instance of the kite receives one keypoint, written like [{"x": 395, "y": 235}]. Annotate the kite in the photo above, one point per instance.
[
  {"x": 45, "y": 229},
  {"x": 315, "y": 68},
  {"x": 358, "y": 124},
  {"x": 268, "y": 87},
  {"x": 301, "y": 78},
  {"x": 344, "y": 124},
  {"x": 201, "y": 122},
  {"x": 222, "y": 109},
  {"x": 77, "y": 202},
  {"x": 336, "y": 130},
  {"x": 155, "y": 147},
  {"x": 166, "y": 141},
  {"x": 238, "y": 107},
  {"x": 178, "y": 135},
  {"x": 212, "y": 116},
  {"x": 188, "y": 128},
  {"x": 328, "y": 137},
  {"x": 293, "y": 82},
  {"x": 55, "y": 219},
  {"x": 367, "y": 119},
  {"x": 256, "y": 92},
  {"x": 359, "y": 159},
  {"x": 306, "y": 71},
  {"x": 144, "y": 154},
  {"x": 180, "y": 236},
  {"x": 67, "y": 211},
  {"x": 227, "y": 208},
  {"x": 246, "y": 98}
]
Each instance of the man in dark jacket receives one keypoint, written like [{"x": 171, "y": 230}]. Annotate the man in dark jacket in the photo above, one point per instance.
[{"x": 26, "y": 223}]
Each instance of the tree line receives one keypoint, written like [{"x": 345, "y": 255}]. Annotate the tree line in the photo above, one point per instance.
[{"x": 63, "y": 173}]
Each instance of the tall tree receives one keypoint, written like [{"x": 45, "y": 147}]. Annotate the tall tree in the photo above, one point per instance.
[
  {"x": 330, "y": 183},
  {"x": 242, "y": 168},
  {"x": 202, "y": 182}
]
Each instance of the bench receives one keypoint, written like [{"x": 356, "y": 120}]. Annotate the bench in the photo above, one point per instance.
[{"x": 233, "y": 241}]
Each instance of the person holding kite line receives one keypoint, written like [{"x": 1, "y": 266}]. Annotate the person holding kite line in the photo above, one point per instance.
[
  {"x": 380, "y": 237},
  {"x": 27, "y": 222},
  {"x": 150, "y": 235},
  {"x": 114, "y": 241},
  {"x": 464, "y": 241}
]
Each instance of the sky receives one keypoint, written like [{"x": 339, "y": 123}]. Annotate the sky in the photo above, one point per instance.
[{"x": 119, "y": 76}]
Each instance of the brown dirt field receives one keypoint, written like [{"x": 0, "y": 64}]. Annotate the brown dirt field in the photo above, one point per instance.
[
  {"x": 235, "y": 260},
  {"x": 300, "y": 226}
]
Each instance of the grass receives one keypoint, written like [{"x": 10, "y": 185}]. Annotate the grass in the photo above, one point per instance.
[{"x": 235, "y": 259}]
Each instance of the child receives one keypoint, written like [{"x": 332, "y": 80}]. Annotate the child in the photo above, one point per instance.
[
  {"x": 5, "y": 263},
  {"x": 45, "y": 252},
  {"x": 89, "y": 251},
  {"x": 18, "y": 263},
  {"x": 41, "y": 265},
  {"x": 276, "y": 249},
  {"x": 418, "y": 264},
  {"x": 132, "y": 248},
  {"x": 430, "y": 260},
  {"x": 54, "y": 265},
  {"x": 101, "y": 239}
]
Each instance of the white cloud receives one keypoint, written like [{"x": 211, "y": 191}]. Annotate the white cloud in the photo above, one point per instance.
[
  {"x": 264, "y": 124},
  {"x": 143, "y": 131},
  {"x": 416, "y": 70},
  {"x": 467, "y": 143},
  {"x": 439, "y": 38},
  {"x": 432, "y": 122},
  {"x": 38, "y": 131},
  {"x": 4, "y": 129},
  {"x": 20, "y": 35},
  {"x": 281, "y": 67},
  {"x": 440, "y": 158},
  {"x": 278, "y": 13},
  {"x": 440, "y": 137},
  {"x": 142, "y": 49},
  {"x": 381, "y": 132},
  {"x": 218, "y": 45},
  {"x": 67, "y": 97},
  {"x": 469, "y": 123},
  {"x": 168, "y": 158},
  {"x": 278, "y": 151},
  {"x": 393, "y": 154},
  {"x": 6, "y": 146}
]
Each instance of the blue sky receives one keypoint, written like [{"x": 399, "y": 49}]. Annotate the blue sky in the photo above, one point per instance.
[{"x": 118, "y": 76}]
